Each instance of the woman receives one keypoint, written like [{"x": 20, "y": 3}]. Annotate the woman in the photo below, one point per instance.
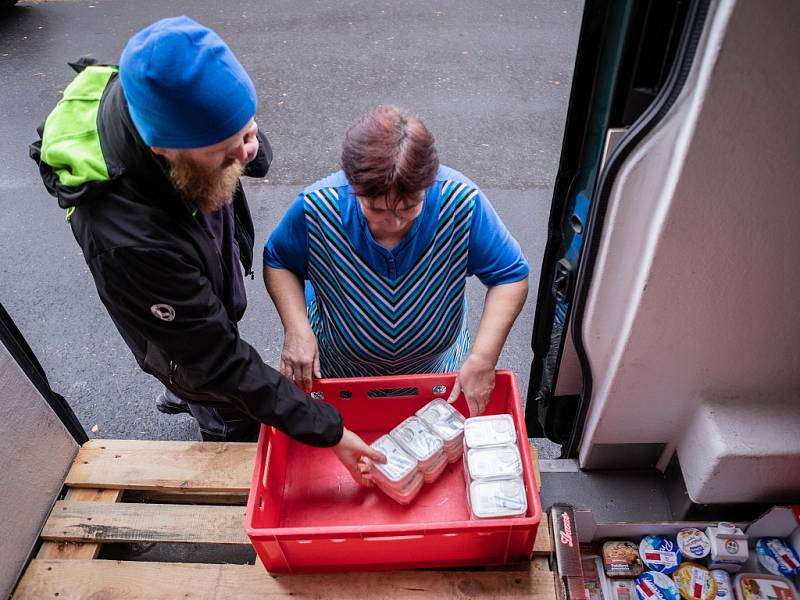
[{"x": 387, "y": 244}]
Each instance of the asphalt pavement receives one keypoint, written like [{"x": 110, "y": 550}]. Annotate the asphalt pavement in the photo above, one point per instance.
[{"x": 490, "y": 79}]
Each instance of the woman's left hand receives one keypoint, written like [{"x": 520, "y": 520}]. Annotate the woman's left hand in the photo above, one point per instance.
[{"x": 476, "y": 380}]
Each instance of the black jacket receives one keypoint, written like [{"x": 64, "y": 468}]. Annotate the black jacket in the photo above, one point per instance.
[{"x": 160, "y": 276}]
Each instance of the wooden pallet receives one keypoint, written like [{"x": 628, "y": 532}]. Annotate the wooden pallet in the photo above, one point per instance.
[{"x": 195, "y": 492}]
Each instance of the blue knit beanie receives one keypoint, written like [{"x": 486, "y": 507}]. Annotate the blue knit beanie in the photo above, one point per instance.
[{"x": 184, "y": 86}]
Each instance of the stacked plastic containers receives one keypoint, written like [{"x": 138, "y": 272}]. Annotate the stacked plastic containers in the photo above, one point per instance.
[
  {"x": 448, "y": 423},
  {"x": 421, "y": 442},
  {"x": 399, "y": 477},
  {"x": 493, "y": 468},
  {"x": 418, "y": 450}
]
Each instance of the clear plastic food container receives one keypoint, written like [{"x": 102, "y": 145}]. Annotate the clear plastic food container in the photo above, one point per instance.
[
  {"x": 420, "y": 441},
  {"x": 399, "y": 466},
  {"x": 493, "y": 462},
  {"x": 444, "y": 420},
  {"x": 399, "y": 477},
  {"x": 454, "y": 451},
  {"x": 434, "y": 470},
  {"x": 491, "y": 430},
  {"x": 404, "y": 494},
  {"x": 497, "y": 498}
]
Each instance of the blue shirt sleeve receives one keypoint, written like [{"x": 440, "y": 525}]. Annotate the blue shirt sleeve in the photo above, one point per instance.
[
  {"x": 495, "y": 257},
  {"x": 287, "y": 246}
]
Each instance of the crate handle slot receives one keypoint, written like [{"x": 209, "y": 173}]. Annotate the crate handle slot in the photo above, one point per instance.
[{"x": 391, "y": 392}]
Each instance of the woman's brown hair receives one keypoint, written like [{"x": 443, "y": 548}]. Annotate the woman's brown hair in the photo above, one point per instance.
[{"x": 389, "y": 149}]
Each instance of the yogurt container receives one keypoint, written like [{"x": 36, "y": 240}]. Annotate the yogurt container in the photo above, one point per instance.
[
  {"x": 491, "y": 430},
  {"x": 777, "y": 557},
  {"x": 497, "y": 498},
  {"x": 660, "y": 553},
  {"x": 728, "y": 547},
  {"x": 652, "y": 585},
  {"x": 693, "y": 543},
  {"x": 493, "y": 462},
  {"x": 622, "y": 589},
  {"x": 621, "y": 559},
  {"x": 695, "y": 582},
  {"x": 794, "y": 540},
  {"x": 755, "y": 586},
  {"x": 592, "y": 582},
  {"x": 724, "y": 586}
]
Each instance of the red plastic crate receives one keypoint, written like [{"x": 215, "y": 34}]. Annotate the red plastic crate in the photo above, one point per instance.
[{"x": 305, "y": 513}]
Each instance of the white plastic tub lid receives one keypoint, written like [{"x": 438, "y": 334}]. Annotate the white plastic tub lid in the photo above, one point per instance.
[
  {"x": 416, "y": 438},
  {"x": 497, "y": 498},
  {"x": 399, "y": 465},
  {"x": 492, "y": 430},
  {"x": 494, "y": 462},
  {"x": 443, "y": 419}
]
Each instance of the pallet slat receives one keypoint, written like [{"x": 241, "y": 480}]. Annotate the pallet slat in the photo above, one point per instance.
[
  {"x": 154, "y": 581},
  {"x": 68, "y": 550},
  {"x": 174, "y": 466},
  {"x": 543, "y": 545},
  {"x": 89, "y": 521}
]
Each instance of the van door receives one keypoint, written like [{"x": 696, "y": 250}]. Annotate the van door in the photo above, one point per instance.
[{"x": 631, "y": 62}]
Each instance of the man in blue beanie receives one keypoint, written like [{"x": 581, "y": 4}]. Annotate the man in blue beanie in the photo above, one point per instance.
[{"x": 146, "y": 159}]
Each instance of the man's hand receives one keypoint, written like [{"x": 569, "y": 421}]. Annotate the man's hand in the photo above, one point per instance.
[
  {"x": 476, "y": 380},
  {"x": 300, "y": 357},
  {"x": 351, "y": 449}
]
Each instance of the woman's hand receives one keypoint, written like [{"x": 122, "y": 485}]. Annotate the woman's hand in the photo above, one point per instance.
[
  {"x": 300, "y": 357},
  {"x": 352, "y": 451},
  {"x": 476, "y": 377},
  {"x": 476, "y": 381}
]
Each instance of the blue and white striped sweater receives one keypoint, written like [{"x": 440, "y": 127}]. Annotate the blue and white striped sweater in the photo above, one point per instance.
[{"x": 368, "y": 324}]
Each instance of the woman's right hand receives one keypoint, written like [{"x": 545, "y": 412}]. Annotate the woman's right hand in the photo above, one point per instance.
[{"x": 300, "y": 358}]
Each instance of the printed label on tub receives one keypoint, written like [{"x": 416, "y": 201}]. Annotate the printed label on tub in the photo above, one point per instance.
[
  {"x": 622, "y": 589},
  {"x": 695, "y": 582},
  {"x": 754, "y": 586},
  {"x": 777, "y": 557},
  {"x": 652, "y": 585},
  {"x": 723, "y": 584},
  {"x": 693, "y": 543},
  {"x": 621, "y": 559},
  {"x": 660, "y": 553}
]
